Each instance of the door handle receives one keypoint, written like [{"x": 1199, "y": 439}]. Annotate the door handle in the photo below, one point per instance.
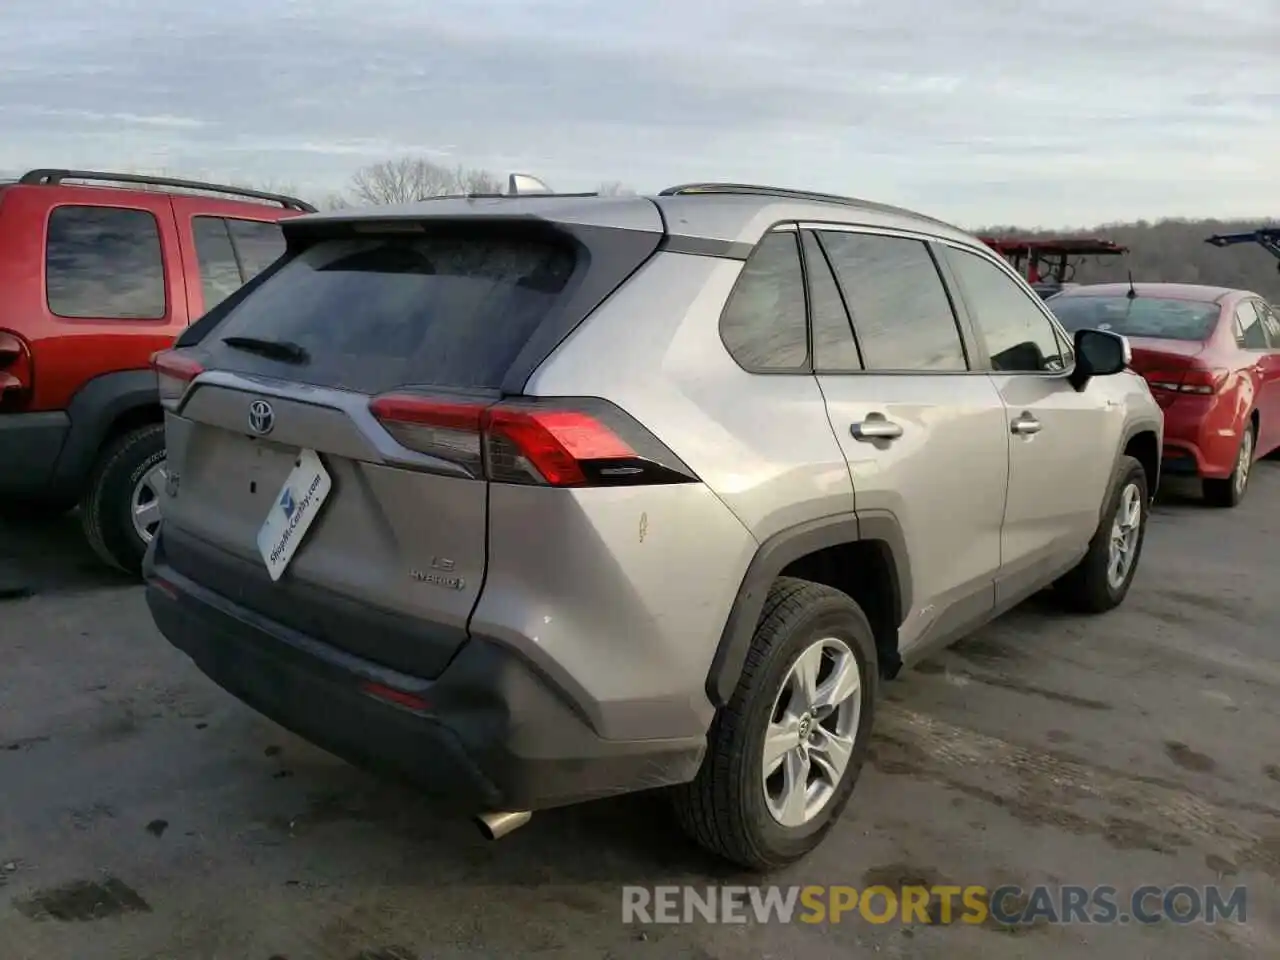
[
  {"x": 1026, "y": 424},
  {"x": 875, "y": 427}
]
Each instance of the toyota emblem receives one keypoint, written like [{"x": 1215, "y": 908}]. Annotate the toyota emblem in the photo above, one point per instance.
[{"x": 261, "y": 417}]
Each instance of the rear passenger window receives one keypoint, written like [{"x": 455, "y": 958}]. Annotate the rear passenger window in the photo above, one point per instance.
[
  {"x": 219, "y": 271},
  {"x": 1271, "y": 323},
  {"x": 900, "y": 309},
  {"x": 104, "y": 263},
  {"x": 257, "y": 244},
  {"x": 763, "y": 324},
  {"x": 1019, "y": 337},
  {"x": 834, "y": 349},
  {"x": 1249, "y": 331}
]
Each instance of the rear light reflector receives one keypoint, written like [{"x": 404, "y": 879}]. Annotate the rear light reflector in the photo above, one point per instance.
[
  {"x": 165, "y": 587},
  {"x": 398, "y": 698},
  {"x": 174, "y": 373},
  {"x": 559, "y": 443},
  {"x": 17, "y": 373}
]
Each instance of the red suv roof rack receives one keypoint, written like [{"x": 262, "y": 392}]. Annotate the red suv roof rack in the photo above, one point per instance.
[{"x": 51, "y": 177}]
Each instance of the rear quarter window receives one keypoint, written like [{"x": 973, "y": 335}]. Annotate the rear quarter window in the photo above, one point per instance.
[
  {"x": 764, "y": 324},
  {"x": 384, "y": 312}
]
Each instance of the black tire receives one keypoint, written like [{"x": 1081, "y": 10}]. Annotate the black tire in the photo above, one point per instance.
[
  {"x": 724, "y": 807},
  {"x": 1230, "y": 492},
  {"x": 1087, "y": 588},
  {"x": 106, "y": 510}
]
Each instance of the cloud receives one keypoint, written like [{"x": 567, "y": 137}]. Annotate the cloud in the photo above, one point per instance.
[
  {"x": 986, "y": 111},
  {"x": 94, "y": 117}
]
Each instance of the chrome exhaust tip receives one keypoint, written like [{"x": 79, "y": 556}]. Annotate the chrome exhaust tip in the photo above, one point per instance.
[{"x": 495, "y": 826}]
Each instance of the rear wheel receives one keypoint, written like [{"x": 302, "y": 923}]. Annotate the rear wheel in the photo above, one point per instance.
[
  {"x": 784, "y": 755},
  {"x": 121, "y": 511},
  {"x": 1230, "y": 491}
]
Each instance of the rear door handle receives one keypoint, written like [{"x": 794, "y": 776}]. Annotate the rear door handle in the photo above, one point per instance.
[
  {"x": 1026, "y": 424},
  {"x": 875, "y": 427}
]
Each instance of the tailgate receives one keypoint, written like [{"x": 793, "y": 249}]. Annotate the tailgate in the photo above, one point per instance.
[
  {"x": 365, "y": 576},
  {"x": 372, "y": 545}
]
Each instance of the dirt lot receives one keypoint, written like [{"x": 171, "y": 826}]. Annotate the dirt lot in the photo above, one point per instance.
[{"x": 146, "y": 815}]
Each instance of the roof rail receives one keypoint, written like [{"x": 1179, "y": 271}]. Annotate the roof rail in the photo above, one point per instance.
[
  {"x": 753, "y": 189},
  {"x": 51, "y": 177},
  {"x": 783, "y": 193}
]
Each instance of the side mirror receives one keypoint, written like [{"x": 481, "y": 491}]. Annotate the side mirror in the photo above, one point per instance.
[{"x": 1099, "y": 354}]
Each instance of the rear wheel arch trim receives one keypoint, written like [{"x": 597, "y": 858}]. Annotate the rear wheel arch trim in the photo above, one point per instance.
[
  {"x": 772, "y": 557},
  {"x": 93, "y": 411},
  {"x": 1132, "y": 432}
]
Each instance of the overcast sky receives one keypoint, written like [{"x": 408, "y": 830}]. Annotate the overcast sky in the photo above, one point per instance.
[{"x": 1037, "y": 112}]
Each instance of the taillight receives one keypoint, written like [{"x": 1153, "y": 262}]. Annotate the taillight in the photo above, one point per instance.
[
  {"x": 17, "y": 373},
  {"x": 1194, "y": 379},
  {"x": 558, "y": 443},
  {"x": 174, "y": 373},
  {"x": 1202, "y": 380}
]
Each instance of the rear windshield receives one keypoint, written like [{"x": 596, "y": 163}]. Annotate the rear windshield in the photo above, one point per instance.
[
  {"x": 379, "y": 313},
  {"x": 1157, "y": 317}
]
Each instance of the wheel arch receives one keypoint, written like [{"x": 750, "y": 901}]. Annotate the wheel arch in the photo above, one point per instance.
[
  {"x": 1142, "y": 442},
  {"x": 101, "y": 410},
  {"x": 862, "y": 554}
]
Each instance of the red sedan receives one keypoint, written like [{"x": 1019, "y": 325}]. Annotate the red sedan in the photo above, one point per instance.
[{"x": 1212, "y": 359}]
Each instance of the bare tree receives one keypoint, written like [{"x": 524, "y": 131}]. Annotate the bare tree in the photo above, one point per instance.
[
  {"x": 478, "y": 181},
  {"x": 335, "y": 201},
  {"x": 270, "y": 185},
  {"x": 408, "y": 179}
]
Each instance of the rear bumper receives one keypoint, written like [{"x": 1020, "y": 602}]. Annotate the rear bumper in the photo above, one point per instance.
[
  {"x": 1199, "y": 441},
  {"x": 29, "y": 447},
  {"x": 1200, "y": 451},
  {"x": 491, "y": 734}
]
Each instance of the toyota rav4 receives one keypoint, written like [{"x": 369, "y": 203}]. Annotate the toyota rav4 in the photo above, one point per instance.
[{"x": 539, "y": 499}]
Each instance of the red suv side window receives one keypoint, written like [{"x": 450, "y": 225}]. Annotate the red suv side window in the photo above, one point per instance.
[
  {"x": 231, "y": 252},
  {"x": 104, "y": 263}
]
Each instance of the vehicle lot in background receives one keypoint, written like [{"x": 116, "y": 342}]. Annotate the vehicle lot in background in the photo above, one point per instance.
[
  {"x": 98, "y": 271},
  {"x": 1048, "y": 264},
  {"x": 1140, "y": 747},
  {"x": 1212, "y": 358}
]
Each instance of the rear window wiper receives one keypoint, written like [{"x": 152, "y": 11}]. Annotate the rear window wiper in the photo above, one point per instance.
[{"x": 283, "y": 350}]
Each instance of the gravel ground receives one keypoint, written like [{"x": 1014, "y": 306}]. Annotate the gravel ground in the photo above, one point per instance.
[{"x": 146, "y": 815}]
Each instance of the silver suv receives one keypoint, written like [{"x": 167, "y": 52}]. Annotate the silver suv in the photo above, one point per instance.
[{"x": 539, "y": 499}]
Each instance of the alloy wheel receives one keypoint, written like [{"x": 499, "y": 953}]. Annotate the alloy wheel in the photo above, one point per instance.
[{"x": 811, "y": 732}]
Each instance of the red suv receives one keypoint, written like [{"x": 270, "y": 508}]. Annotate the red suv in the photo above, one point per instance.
[{"x": 97, "y": 272}]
